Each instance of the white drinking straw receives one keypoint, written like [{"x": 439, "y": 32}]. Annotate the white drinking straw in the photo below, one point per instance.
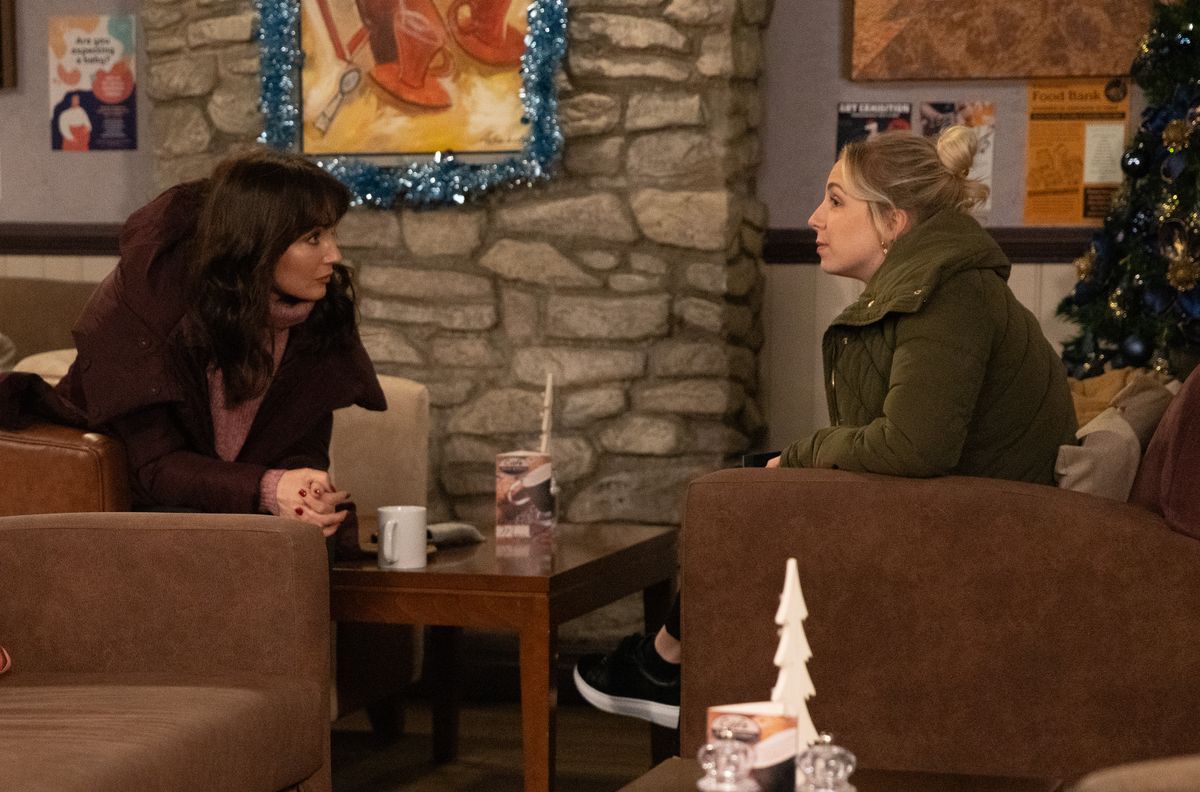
[{"x": 547, "y": 409}]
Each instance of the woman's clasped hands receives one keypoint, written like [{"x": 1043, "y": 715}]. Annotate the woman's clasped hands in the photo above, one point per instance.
[{"x": 310, "y": 496}]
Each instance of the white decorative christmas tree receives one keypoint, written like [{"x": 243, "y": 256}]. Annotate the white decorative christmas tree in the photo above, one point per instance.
[{"x": 794, "y": 687}]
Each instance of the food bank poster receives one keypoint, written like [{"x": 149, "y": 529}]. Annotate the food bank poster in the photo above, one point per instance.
[
  {"x": 93, "y": 101},
  {"x": 1073, "y": 156}
]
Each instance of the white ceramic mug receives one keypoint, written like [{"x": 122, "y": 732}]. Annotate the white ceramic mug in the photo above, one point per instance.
[{"x": 401, "y": 537}]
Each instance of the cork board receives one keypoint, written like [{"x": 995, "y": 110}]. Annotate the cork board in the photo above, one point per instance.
[{"x": 946, "y": 39}]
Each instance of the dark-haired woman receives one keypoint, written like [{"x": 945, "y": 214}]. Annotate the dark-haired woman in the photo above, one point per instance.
[{"x": 221, "y": 344}]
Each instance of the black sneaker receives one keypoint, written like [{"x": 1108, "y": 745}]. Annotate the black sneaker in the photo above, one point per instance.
[{"x": 620, "y": 683}]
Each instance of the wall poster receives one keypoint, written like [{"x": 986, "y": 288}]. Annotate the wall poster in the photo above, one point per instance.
[
  {"x": 1073, "y": 157},
  {"x": 412, "y": 76},
  {"x": 862, "y": 120},
  {"x": 93, "y": 97}
]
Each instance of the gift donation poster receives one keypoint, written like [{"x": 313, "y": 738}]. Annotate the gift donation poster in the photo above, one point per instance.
[
  {"x": 1073, "y": 156},
  {"x": 93, "y": 101},
  {"x": 412, "y": 76}
]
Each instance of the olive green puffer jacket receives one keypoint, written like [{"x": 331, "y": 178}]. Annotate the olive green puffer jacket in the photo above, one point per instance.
[{"x": 937, "y": 369}]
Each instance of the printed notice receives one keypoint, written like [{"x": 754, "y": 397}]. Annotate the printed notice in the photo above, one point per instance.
[
  {"x": 93, "y": 98},
  {"x": 1072, "y": 160}
]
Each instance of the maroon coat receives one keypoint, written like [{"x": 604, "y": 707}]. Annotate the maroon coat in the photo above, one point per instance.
[{"x": 137, "y": 377}]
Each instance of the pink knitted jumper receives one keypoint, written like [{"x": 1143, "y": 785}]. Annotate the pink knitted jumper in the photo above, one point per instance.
[{"x": 231, "y": 423}]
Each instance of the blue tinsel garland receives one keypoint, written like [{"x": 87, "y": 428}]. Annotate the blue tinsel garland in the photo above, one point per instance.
[{"x": 443, "y": 179}]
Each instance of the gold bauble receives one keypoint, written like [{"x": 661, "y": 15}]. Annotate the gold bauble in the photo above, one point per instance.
[
  {"x": 1183, "y": 273},
  {"x": 1176, "y": 134},
  {"x": 1086, "y": 264},
  {"x": 1114, "y": 304},
  {"x": 1168, "y": 206}
]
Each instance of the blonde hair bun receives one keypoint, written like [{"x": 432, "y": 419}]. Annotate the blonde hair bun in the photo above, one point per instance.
[
  {"x": 956, "y": 147},
  {"x": 900, "y": 170}
]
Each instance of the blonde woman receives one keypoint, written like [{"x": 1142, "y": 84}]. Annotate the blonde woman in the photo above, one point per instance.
[{"x": 936, "y": 369}]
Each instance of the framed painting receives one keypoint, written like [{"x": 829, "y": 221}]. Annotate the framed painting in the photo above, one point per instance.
[
  {"x": 8, "y": 43},
  {"x": 936, "y": 40},
  {"x": 415, "y": 101}
]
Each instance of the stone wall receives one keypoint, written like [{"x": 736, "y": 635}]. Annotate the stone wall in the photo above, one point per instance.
[{"x": 634, "y": 275}]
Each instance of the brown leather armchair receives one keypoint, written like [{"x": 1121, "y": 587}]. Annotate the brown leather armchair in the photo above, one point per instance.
[
  {"x": 380, "y": 457},
  {"x": 958, "y": 625},
  {"x": 163, "y": 653}
]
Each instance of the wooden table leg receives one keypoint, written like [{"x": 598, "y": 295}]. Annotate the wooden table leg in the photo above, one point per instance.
[
  {"x": 539, "y": 701},
  {"x": 656, "y": 601},
  {"x": 445, "y": 667}
]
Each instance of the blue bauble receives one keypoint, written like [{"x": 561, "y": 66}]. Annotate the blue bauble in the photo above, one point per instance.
[
  {"x": 1135, "y": 350},
  {"x": 1174, "y": 165},
  {"x": 1189, "y": 303},
  {"x": 1157, "y": 299}
]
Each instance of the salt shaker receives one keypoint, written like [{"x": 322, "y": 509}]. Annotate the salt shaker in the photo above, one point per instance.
[
  {"x": 824, "y": 767},
  {"x": 727, "y": 764}
]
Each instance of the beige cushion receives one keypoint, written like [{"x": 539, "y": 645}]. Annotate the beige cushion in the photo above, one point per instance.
[
  {"x": 1094, "y": 395},
  {"x": 1106, "y": 461}
]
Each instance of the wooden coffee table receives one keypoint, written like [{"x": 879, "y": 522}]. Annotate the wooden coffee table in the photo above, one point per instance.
[
  {"x": 681, "y": 775},
  {"x": 505, "y": 588}
]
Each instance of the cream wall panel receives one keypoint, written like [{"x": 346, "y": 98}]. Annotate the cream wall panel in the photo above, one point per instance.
[
  {"x": 788, "y": 354},
  {"x": 89, "y": 269},
  {"x": 25, "y": 266},
  {"x": 1057, "y": 281},
  {"x": 1026, "y": 283},
  {"x": 96, "y": 268},
  {"x": 64, "y": 268}
]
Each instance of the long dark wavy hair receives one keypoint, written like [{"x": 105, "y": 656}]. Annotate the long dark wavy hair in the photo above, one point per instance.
[{"x": 258, "y": 203}]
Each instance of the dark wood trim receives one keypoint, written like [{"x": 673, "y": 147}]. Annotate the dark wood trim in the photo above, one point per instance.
[
  {"x": 1043, "y": 244},
  {"x": 59, "y": 239},
  {"x": 1022, "y": 244},
  {"x": 8, "y": 44}
]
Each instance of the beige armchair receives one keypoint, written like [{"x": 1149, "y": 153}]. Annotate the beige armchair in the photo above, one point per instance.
[{"x": 381, "y": 459}]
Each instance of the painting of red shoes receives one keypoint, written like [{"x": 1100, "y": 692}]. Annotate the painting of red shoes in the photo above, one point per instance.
[{"x": 412, "y": 76}]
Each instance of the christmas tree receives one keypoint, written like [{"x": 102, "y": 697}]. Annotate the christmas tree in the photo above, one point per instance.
[
  {"x": 793, "y": 687},
  {"x": 1137, "y": 301}
]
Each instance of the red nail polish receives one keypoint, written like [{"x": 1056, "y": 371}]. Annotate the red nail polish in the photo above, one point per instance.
[
  {"x": 303, "y": 493},
  {"x": 299, "y": 510}
]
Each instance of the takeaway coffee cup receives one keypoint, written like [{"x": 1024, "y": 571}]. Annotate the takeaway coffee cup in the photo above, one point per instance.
[
  {"x": 534, "y": 487},
  {"x": 401, "y": 537}
]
